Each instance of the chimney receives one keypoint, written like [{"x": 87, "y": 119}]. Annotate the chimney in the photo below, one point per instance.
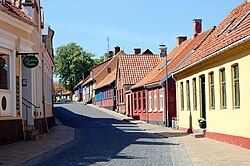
[
  {"x": 137, "y": 51},
  {"x": 180, "y": 39},
  {"x": 197, "y": 26},
  {"x": 117, "y": 49}
]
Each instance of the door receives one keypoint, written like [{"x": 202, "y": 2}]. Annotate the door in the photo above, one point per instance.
[{"x": 203, "y": 97}]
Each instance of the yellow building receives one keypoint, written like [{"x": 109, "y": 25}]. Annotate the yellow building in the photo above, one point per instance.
[
  {"x": 212, "y": 85},
  {"x": 25, "y": 93}
]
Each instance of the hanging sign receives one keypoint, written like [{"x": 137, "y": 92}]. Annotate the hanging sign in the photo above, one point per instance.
[
  {"x": 30, "y": 61},
  {"x": 2, "y": 62}
]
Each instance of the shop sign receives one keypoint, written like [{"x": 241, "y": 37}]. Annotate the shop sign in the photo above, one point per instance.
[
  {"x": 30, "y": 61},
  {"x": 2, "y": 62}
]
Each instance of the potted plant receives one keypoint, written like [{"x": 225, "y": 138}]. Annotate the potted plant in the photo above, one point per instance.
[{"x": 202, "y": 123}]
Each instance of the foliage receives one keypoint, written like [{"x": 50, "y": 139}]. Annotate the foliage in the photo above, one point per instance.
[
  {"x": 100, "y": 60},
  {"x": 70, "y": 63}
]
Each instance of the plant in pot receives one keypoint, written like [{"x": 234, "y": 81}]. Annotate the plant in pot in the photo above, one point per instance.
[{"x": 202, "y": 123}]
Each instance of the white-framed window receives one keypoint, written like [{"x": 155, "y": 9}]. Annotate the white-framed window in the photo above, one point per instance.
[
  {"x": 182, "y": 96},
  {"x": 161, "y": 100},
  {"x": 212, "y": 93},
  {"x": 149, "y": 101},
  {"x": 223, "y": 89},
  {"x": 4, "y": 71},
  {"x": 236, "y": 86},
  {"x": 155, "y": 100}
]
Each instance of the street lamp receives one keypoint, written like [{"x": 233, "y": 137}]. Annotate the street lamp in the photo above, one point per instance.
[{"x": 163, "y": 53}]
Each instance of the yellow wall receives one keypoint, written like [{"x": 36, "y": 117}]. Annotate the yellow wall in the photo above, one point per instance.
[{"x": 226, "y": 121}]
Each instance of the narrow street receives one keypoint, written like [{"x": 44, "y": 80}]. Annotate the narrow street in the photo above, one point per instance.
[{"x": 101, "y": 139}]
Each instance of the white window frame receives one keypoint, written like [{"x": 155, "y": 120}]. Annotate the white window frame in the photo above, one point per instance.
[
  {"x": 161, "y": 100},
  {"x": 155, "y": 101},
  {"x": 149, "y": 101}
]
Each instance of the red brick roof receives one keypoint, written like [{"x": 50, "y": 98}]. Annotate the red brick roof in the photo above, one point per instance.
[
  {"x": 108, "y": 80},
  {"x": 133, "y": 68},
  {"x": 16, "y": 12},
  {"x": 215, "y": 43},
  {"x": 175, "y": 56}
]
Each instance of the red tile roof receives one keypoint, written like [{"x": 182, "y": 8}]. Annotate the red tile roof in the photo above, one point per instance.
[
  {"x": 16, "y": 12},
  {"x": 133, "y": 68},
  {"x": 176, "y": 56},
  {"x": 107, "y": 81},
  {"x": 215, "y": 43},
  {"x": 96, "y": 69}
]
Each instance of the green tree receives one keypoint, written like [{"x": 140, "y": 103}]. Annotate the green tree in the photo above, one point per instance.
[
  {"x": 70, "y": 63},
  {"x": 100, "y": 60}
]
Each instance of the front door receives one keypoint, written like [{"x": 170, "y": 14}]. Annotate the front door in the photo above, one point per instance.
[{"x": 203, "y": 97}]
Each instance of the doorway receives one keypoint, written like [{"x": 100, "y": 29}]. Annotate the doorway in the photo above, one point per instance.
[{"x": 203, "y": 96}]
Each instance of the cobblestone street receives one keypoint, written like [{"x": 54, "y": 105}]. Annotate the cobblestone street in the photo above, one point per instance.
[{"x": 102, "y": 139}]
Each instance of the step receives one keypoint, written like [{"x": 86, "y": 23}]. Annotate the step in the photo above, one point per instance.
[
  {"x": 198, "y": 135},
  {"x": 202, "y": 131},
  {"x": 38, "y": 137},
  {"x": 32, "y": 132}
]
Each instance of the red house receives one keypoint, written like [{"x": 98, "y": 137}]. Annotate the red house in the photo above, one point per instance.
[
  {"x": 131, "y": 68},
  {"x": 160, "y": 108}
]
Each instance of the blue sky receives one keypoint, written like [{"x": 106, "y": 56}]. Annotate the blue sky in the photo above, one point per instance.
[{"x": 130, "y": 23}]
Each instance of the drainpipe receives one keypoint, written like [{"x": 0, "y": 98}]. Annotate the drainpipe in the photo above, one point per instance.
[{"x": 43, "y": 96}]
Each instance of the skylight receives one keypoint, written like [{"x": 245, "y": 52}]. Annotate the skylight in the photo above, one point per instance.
[
  {"x": 241, "y": 20},
  {"x": 230, "y": 23}
]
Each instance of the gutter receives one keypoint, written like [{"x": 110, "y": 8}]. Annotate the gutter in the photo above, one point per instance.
[{"x": 215, "y": 53}]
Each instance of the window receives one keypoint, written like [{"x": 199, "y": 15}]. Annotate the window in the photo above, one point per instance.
[
  {"x": 194, "y": 94},
  {"x": 108, "y": 70},
  {"x": 212, "y": 94},
  {"x": 150, "y": 101},
  {"x": 161, "y": 100},
  {"x": 135, "y": 102},
  {"x": 236, "y": 86},
  {"x": 223, "y": 89},
  {"x": 144, "y": 100},
  {"x": 139, "y": 100},
  {"x": 122, "y": 96},
  {"x": 188, "y": 96},
  {"x": 182, "y": 97},
  {"x": 4, "y": 72},
  {"x": 155, "y": 101}
]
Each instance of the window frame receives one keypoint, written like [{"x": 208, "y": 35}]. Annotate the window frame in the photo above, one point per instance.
[
  {"x": 223, "y": 89},
  {"x": 236, "y": 80},
  {"x": 135, "y": 101},
  {"x": 194, "y": 94},
  {"x": 144, "y": 100},
  {"x": 139, "y": 100},
  {"x": 161, "y": 94},
  {"x": 182, "y": 96},
  {"x": 155, "y": 100},
  {"x": 211, "y": 91},
  {"x": 150, "y": 101}
]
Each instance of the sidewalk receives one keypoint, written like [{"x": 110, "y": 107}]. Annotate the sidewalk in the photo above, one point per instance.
[
  {"x": 202, "y": 151},
  {"x": 16, "y": 153}
]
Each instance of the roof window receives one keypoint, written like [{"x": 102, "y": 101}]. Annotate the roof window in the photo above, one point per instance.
[
  {"x": 241, "y": 20},
  {"x": 230, "y": 23}
]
